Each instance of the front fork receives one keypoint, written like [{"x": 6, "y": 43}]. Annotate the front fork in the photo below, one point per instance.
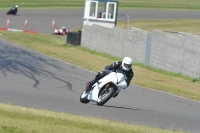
[{"x": 116, "y": 90}]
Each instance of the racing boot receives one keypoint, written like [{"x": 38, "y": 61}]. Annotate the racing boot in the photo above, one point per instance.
[
  {"x": 91, "y": 83},
  {"x": 88, "y": 87}
]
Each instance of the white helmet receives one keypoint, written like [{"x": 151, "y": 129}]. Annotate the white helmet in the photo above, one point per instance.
[
  {"x": 127, "y": 63},
  {"x": 16, "y": 6}
]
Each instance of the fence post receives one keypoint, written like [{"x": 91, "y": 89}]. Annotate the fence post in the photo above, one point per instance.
[
  {"x": 127, "y": 22},
  {"x": 148, "y": 49}
]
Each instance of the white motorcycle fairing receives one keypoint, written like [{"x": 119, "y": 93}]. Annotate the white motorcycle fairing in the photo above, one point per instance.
[
  {"x": 56, "y": 31},
  {"x": 116, "y": 78}
]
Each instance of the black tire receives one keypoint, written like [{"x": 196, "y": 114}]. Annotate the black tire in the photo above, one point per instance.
[
  {"x": 105, "y": 95},
  {"x": 83, "y": 97},
  {"x": 8, "y": 12}
]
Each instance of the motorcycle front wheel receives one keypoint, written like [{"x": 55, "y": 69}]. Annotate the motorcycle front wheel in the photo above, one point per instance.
[
  {"x": 83, "y": 97},
  {"x": 104, "y": 95}
]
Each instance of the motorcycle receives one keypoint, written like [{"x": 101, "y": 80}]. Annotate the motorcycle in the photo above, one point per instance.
[
  {"x": 105, "y": 88},
  {"x": 60, "y": 32},
  {"x": 12, "y": 11}
]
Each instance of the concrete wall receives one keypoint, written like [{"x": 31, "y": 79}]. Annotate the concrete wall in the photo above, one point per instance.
[
  {"x": 117, "y": 42},
  {"x": 179, "y": 53},
  {"x": 175, "y": 52}
]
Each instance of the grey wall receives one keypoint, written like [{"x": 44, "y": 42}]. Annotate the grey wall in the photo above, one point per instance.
[
  {"x": 175, "y": 52},
  {"x": 117, "y": 42}
]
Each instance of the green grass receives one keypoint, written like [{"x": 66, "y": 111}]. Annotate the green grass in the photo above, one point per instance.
[
  {"x": 23, "y": 120},
  {"x": 123, "y": 4},
  {"x": 177, "y": 25},
  {"x": 160, "y": 4},
  {"x": 43, "y": 4}
]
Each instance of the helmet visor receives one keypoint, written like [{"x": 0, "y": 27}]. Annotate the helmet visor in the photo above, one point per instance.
[{"x": 127, "y": 65}]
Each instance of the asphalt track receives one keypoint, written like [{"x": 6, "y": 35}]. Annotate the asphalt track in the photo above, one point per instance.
[{"x": 34, "y": 80}]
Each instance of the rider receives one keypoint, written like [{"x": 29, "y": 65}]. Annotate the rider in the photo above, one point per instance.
[
  {"x": 125, "y": 66},
  {"x": 15, "y": 8},
  {"x": 64, "y": 30}
]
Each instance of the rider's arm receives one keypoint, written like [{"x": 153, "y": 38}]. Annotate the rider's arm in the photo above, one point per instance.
[
  {"x": 129, "y": 77},
  {"x": 113, "y": 66}
]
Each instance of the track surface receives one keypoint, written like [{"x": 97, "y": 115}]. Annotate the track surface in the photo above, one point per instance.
[{"x": 34, "y": 80}]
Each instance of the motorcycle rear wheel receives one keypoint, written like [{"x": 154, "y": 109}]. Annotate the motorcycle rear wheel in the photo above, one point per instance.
[{"x": 105, "y": 95}]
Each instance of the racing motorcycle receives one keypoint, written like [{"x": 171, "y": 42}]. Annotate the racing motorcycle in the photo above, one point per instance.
[
  {"x": 12, "y": 11},
  {"x": 105, "y": 88},
  {"x": 60, "y": 31}
]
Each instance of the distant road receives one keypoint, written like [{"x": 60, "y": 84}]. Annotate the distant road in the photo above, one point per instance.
[{"x": 41, "y": 20}]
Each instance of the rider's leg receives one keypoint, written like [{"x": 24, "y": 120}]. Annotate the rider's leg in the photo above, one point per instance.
[{"x": 98, "y": 76}]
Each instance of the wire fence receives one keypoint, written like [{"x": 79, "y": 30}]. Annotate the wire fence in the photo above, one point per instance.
[{"x": 123, "y": 18}]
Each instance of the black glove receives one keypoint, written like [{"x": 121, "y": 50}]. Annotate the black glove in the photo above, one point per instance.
[
  {"x": 108, "y": 71},
  {"x": 98, "y": 75}
]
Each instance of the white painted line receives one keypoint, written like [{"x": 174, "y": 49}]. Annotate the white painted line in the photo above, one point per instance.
[{"x": 16, "y": 30}]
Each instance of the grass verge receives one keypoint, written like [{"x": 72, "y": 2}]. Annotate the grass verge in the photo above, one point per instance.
[
  {"x": 175, "y": 25},
  {"x": 23, "y": 120}
]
